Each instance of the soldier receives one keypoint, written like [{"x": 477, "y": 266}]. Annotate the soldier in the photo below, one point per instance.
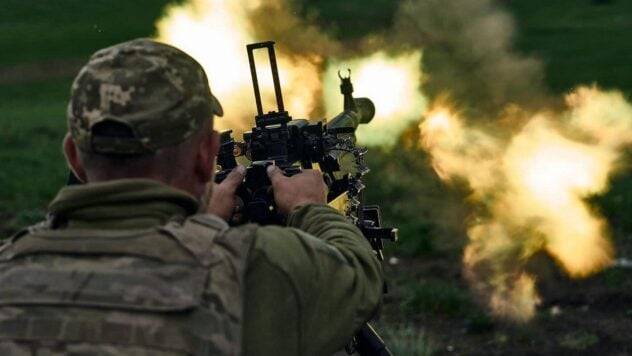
[{"x": 135, "y": 262}]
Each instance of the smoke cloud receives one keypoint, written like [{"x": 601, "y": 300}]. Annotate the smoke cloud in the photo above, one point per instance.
[
  {"x": 468, "y": 55},
  {"x": 530, "y": 191}
]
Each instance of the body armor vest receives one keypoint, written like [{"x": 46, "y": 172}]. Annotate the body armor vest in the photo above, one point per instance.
[{"x": 175, "y": 289}]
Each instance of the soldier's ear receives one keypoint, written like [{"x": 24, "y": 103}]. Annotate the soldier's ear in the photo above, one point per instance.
[{"x": 72, "y": 158}]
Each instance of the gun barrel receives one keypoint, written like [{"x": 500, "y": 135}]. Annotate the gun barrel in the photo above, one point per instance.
[
  {"x": 366, "y": 109},
  {"x": 363, "y": 114}
]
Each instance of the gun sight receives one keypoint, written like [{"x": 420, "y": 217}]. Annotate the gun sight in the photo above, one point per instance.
[{"x": 279, "y": 117}]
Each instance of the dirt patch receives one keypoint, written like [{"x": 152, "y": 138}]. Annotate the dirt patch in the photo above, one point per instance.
[{"x": 575, "y": 317}]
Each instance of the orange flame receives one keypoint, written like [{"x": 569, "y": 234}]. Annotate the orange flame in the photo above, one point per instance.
[
  {"x": 216, "y": 32},
  {"x": 533, "y": 187}
]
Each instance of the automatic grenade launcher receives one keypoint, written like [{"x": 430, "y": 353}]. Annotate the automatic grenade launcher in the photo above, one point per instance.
[{"x": 293, "y": 145}]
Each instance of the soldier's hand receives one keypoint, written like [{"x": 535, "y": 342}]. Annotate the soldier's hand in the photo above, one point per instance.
[
  {"x": 304, "y": 188},
  {"x": 224, "y": 202}
]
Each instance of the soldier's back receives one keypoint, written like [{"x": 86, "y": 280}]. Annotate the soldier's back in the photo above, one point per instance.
[{"x": 167, "y": 290}]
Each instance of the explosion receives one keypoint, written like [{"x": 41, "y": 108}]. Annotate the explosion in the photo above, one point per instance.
[
  {"x": 530, "y": 178},
  {"x": 533, "y": 187},
  {"x": 216, "y": 32}
]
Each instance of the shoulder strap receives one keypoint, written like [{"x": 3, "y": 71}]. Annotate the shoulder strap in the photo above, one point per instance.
[
  {"x": 225, "y": 252},
  {"x": 22, "y": 232},
  {"x": 148, "y": 243},
  {"x": 197, "y": 235}
]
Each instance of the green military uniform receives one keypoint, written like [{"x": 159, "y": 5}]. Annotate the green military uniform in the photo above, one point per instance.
[{"x": 306, "y": 288}]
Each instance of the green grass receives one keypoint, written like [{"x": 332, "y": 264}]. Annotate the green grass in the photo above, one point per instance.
[
  {"x": 436, "y": 297},
  {"x": 352, "y": 19},
  {"x": 32, "y": 125},
  {"x": 407, "y": 340},
  {"x": 35, "y": 30},
  {"x": 578, "y": 340},
  {"x": 580, "y": 42},
  {"x": 617, "y": 203}
]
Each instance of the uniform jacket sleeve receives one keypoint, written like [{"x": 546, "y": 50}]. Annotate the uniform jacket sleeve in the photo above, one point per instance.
[{"x": 310, "y": 285}]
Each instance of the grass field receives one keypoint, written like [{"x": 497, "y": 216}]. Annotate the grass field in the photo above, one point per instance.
[
  {"x": 31, "y": 125},
  {"x": 33, "y": 31},
  {"x": 580, "y": 42},
  {"x": 429, "y": 309}
]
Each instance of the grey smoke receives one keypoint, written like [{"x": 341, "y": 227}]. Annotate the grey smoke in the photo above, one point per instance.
[{"x": 469, "y": 54}]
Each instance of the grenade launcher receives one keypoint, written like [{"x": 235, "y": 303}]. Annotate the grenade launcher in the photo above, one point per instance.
[{"x": 292, "y": 145}]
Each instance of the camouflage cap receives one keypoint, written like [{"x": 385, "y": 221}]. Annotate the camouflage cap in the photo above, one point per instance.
[{"x": 137, "y": 97}]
